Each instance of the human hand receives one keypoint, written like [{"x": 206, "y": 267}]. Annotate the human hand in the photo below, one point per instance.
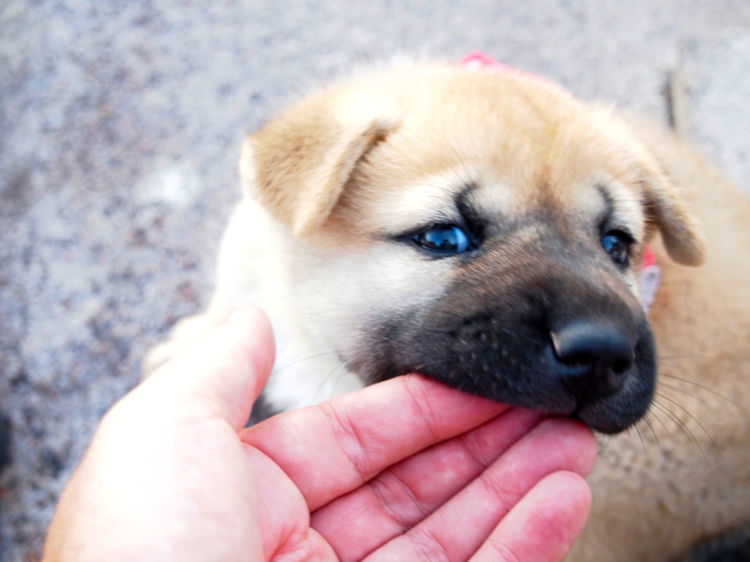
[{"x": 407, "y": 469}]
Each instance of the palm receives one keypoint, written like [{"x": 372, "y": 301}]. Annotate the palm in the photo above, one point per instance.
[
  {"x": 406, "y": 470},
  {"x": 374, "y": 487}
]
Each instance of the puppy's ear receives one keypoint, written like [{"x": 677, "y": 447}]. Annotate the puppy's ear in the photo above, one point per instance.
[
  {"x": 299, "y": 164},
  {"x": 659, "y": 172},
  {"x": 680, "y": 232}
]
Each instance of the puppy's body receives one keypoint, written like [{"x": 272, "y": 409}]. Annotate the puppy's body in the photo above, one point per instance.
[
  {"x": 690, "y": 479},
  {"x": 348, "y": 240}
]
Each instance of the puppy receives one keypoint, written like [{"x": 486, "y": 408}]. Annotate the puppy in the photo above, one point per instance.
[{"x": 488, "y": 229}]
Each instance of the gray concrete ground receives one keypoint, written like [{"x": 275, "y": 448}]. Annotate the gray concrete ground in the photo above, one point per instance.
[{"x": 120, "y": 127}]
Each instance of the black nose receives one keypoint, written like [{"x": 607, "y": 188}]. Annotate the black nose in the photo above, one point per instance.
[{"x": 595, "y": 357}]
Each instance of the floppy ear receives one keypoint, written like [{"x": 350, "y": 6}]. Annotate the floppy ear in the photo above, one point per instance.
[
  {"x": 680, "y": 232},
  {"x": 299, "y": 164},
  {"x": 660, "y": 170}
]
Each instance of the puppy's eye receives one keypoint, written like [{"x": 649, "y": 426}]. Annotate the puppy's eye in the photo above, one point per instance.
[
  {"x": 443, "y": 240},
  {"x": 617, "y": 244}
]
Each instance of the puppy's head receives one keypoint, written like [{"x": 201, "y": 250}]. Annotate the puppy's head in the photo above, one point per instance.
[{"x": 484, "y": 229}]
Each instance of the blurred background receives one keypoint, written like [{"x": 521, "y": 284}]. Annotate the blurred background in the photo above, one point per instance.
[{"x": 120, "y": 130}]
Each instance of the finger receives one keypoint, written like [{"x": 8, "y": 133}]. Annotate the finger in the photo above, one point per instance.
[
  {"x": 460, "y": 526},
  {"x": 219, "y": 376},
  {"x": 355, "y": 436},
  {"x": 401, "y": 496},
  {"x": 544, "y": 524},
  {"x": 282, "y": 516}
]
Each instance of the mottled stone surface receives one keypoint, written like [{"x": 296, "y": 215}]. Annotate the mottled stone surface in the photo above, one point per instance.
[
  {"x": 120, "y": 127},
  {"x": 716, "y": 73}
]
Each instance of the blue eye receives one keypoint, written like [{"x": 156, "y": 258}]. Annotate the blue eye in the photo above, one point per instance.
[
  {"x": 617, "y": 244},
  {"x": 443, "y": 240}
]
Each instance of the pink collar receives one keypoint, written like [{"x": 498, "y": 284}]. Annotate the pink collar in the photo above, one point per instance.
[
  {"x": 649, "y": 279},
  {"x": 478, "y": 59}
]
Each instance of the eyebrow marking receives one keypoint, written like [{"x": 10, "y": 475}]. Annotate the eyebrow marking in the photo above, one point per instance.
[
  {"x": 474, "y": 221},
  {"x": 609, "y": 206}
]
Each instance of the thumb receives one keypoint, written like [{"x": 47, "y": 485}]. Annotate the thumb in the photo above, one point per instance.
[{"x": 221, "y": 374}]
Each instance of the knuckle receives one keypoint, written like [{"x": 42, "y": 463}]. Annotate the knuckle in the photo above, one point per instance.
[
  {"x": 504, "y": 553},
  {"x": 397, "y": 500},
  {"x": 498, "y": 489},
  {"x": 349, "y": 440},
  {"x": 423, "y": 406},
  {"x": 427, "y": 546}
]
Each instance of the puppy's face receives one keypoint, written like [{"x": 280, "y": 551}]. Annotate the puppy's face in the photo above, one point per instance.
[{"x": 482, "y": 229}]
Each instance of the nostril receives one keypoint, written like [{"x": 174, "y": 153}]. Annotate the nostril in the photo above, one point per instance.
[{"x": 621, "y": 365}]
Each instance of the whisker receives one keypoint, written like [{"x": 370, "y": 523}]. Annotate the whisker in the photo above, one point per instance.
[
  {"x": 685, "y": 429},
  {"x": 339, "y": 369},
  {"x": 673, "y": 388},
  {"x": 692, "y": 417},
  {"x": 702, "y": 387},
  {"x": 664, "y": 426},
  {"x": 647, "y": 421},
  {"x": 291, "y": 364},
  {"x": 638, "y": 432}
]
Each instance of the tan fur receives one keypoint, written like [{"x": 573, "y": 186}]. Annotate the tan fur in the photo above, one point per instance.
[
  {"x": 334, "y": 177},
  {"x": 690, "y": 479}
]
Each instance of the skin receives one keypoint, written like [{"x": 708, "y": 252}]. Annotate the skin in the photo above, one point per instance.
[{"x": 407, "y": 469}]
